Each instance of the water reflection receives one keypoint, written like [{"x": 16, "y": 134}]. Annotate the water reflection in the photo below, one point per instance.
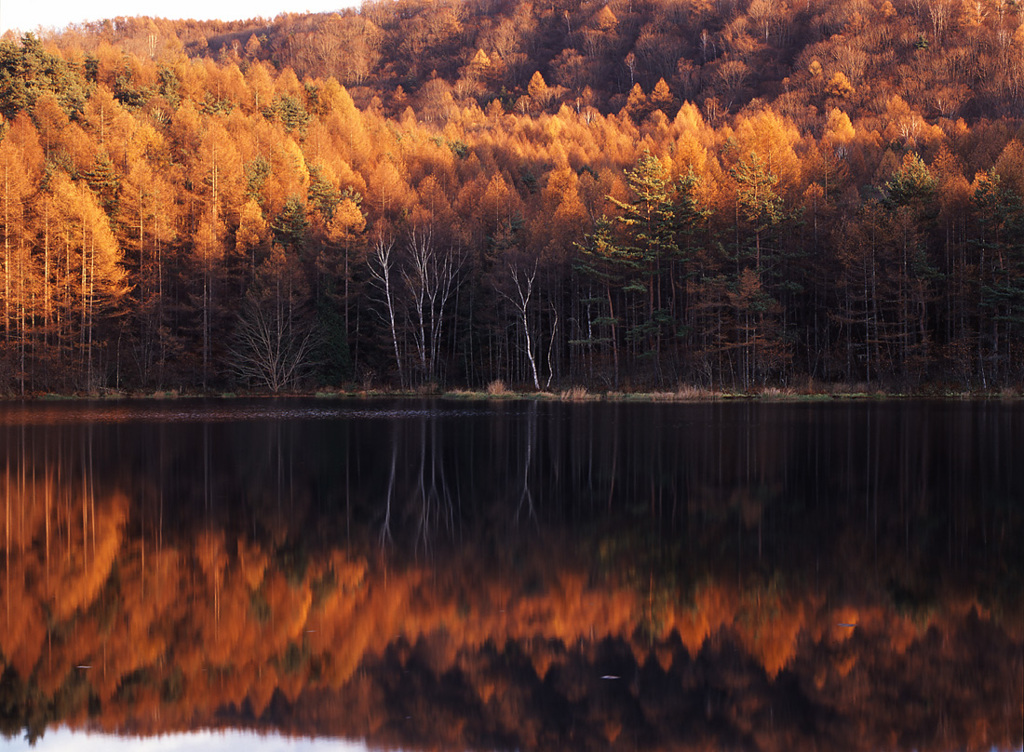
[
  {"x": 518, "y": 575},
  {"x": 195, "y": 741}
]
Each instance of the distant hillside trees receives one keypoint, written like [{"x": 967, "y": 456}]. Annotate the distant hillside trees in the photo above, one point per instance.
[{"x": 608, "y": 194}]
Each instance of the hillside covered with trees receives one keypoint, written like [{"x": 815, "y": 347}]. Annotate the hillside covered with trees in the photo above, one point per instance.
[{"x": 631, "y": 194}]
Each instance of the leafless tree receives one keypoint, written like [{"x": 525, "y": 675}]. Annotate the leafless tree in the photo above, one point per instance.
[
  {"x": 382, "y": 262},
  {"x": 270, "y": 345},
  {"x": 431, "y": 277},
  {"x": 519, "y": 297}
]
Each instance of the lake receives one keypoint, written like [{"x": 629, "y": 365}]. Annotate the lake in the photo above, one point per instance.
[{"x": 500, "y": 575}]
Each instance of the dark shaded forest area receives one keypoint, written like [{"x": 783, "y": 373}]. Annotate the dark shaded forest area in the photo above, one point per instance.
[{"x": 622, "y": 195}]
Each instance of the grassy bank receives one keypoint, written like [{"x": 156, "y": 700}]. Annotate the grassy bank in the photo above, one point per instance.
[{"x": 497, "y": 390}]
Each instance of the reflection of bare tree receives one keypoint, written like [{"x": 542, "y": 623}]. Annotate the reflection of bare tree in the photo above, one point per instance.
[
  {"x": 436, "y": 503},
  {"x": 430, "y": 503},
  {"x": 385, "y": 529},
  {"x": 526, "y": 495}
]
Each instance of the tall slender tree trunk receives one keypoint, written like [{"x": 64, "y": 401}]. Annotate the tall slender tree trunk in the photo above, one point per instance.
[
  {"x": 383, "y": 276},
  {"x": 7, "y": 254},
  {"x": 615, "y": 335}
]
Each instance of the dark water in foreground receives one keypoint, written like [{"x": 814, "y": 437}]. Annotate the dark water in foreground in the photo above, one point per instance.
[{"x": 517, "y": 575}]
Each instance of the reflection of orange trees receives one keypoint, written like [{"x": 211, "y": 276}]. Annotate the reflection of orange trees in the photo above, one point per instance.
[
  {"x": 60, "y": 548},
  {"x": 170, "y": 633}
]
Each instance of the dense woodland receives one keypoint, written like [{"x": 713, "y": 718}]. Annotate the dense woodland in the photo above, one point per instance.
[{"x": 636, "y": 194}]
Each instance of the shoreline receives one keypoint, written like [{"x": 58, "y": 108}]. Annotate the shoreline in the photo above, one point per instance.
[{"x": 573, "y": 394}]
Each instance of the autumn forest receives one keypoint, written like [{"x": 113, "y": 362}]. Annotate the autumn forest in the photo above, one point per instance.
[{"x": 634, "y": 194}]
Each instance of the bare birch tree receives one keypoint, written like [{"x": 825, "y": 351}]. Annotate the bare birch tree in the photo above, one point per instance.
[
  {"x": 430, "y": 277},
  {"x": 381, "y": 263},
  {"x": 519, "y": 297}
]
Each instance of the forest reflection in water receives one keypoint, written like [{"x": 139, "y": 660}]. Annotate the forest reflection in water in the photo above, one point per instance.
[{"x": 518, "y": 575}]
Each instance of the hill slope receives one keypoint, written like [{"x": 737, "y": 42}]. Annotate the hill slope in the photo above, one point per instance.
[{"x": 620, "y": 195}]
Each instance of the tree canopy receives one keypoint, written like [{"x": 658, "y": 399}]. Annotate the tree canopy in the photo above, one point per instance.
[{"x": 723, "y": 195}]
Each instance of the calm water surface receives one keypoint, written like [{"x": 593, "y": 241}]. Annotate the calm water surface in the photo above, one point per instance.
[{"x": 513, "y": 575}]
